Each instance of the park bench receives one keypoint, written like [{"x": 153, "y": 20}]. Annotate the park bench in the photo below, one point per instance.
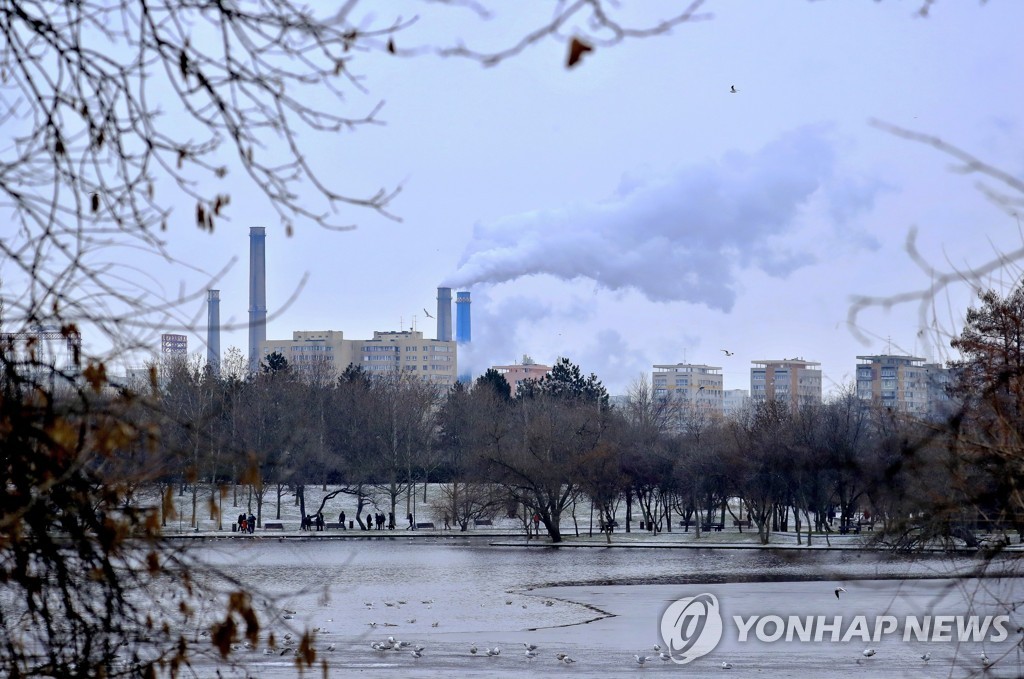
[
  {"x": 425, "y": 524},
  {"x": 274, "y": 526},
  {"x": 717, "y": 527},
  {"x": 870, "y": 525},
  {"x": 482, "y": 522},
  {"x": 741, "y": 524},
  {"x": 334, "y": 524},
  {"x": 844, "y": 529}
]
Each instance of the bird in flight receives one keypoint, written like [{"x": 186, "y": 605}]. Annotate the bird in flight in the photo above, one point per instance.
[
  {"x": 427, "y": 312},
  {"x": 733, "y": 90},
  {"x": 727, "y": 352},
  {"x": 838, "y": 590}
]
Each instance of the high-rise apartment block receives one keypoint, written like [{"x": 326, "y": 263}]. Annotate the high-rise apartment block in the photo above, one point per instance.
[
  {"x": 793, "y": 381},
  {"x": 700, "y": 386},
  {"x": 734, "y": 400},
  {"x": 904, "y": 383}
]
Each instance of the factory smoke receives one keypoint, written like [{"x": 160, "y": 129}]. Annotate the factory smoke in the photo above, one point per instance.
[{"x": 686, "y": 236}]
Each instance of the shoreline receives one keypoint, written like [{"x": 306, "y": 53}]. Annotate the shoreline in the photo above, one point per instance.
[{"x": 504, "y": 540}]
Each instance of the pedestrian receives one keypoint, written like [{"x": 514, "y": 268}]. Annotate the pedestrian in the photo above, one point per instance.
[
  {"x": 241, "y": 522},
  {"x": 252, "y": 523},
  {"x": 536, "y": 524},
  {"x": 319, "y": 521},
  {"x": 369, "y": 521},
  {"x": 391, "y": 520},
  {"x": 446, "y": 526},
  {"x": 341, "y": 520}
]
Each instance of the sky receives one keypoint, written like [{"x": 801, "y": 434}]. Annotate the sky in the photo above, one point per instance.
[{"x": 633, "y": 211}]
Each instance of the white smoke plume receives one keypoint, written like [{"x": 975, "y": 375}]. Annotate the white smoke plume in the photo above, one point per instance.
[{"x": 683, "y": 237}]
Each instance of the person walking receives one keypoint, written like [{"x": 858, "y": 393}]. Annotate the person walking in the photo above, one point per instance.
[
  {"x": 252, "y": 523},
  {"x": 536, "y": 524},
  {"x": 391, "y": 520},
  {"x": 446, "y": 525},
  {"x": 341, "y": 520},
  {"x": 411, "y": 527}
]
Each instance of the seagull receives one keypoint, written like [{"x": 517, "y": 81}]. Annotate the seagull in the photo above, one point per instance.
[
  {"x": 434, "y": 624},
  {"x": 700, "y": 389},
  {"x": 727, "y": 666},
  {"x": 657, "y": 647},
  {"x": 530, "y": 647},
  {"x": 838, "y": 590},
  {"x": 427, "y": 312},
  {"x": 417, "y": 654},
  {"x": 664, "y": 656},
  {"x": 733, "y": 90},
  {"x": 561, "y": 656},
  {"x": 641, "y": 659},
  {"x": 472, "y": 649},
  {"x": 727, "y": 352},
  {"x": 926, "y": 657},
  {"x": 531, "y": 654},
  {"x": 868, "y": 652},
  {"x": 985, "y": 660},
  {"x": 331, "y": 647},
  {"x": 493, "y": 651},
  {"x": 567, "y": 660}
]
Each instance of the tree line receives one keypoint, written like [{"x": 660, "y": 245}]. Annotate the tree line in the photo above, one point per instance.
[{"x": 560, "y": 441}]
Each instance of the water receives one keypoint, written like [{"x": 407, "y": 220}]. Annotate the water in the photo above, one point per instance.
[{"x": 600, "y": 605}]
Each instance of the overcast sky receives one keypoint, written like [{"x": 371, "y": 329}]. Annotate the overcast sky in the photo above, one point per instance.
[{"x": 633, "y": 211}]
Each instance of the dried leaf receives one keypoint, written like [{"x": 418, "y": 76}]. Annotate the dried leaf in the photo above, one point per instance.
[
  {"x": 95, "y": 202},
  {"x": 577, "y": 48},
  {"x": 391, "y": 46}
]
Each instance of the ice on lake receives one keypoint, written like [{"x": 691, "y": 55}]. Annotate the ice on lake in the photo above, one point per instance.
[{"x": 604, "y": 606}]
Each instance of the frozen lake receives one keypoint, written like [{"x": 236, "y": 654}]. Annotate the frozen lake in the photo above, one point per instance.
[{"x": 603, "y": 605}]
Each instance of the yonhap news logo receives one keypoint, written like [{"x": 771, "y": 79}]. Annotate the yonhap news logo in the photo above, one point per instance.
[{"x": 691, "y": 627}]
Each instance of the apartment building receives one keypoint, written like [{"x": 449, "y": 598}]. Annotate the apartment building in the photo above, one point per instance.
[
  {"x": 904, "y": 383},
  {"x": 734, "y": 400},
  {"x": 527, "y": 370},
  {"x": 792, "y": 380},
  {"x": 387, "y": 352},
  {"x": 700, "y": 386}
]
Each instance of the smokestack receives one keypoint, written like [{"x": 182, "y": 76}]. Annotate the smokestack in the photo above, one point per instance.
[
  {"x": 257, "y": 294},
  {"x": 444, "y": 314},
  {"x": 213, "y": 331},
  {"x": 463, "y": 331}
]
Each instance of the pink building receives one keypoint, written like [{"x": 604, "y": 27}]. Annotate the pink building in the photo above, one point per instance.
[{"x": 514, "y": 374}]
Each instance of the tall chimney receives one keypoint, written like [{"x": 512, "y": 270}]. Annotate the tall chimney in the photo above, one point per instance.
[
  {"x": 463, "y": 331},
  {"x": 213, "y": 331},
  {"x": 257, "y": 294},
  {"x": 444, "y": 314}
]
